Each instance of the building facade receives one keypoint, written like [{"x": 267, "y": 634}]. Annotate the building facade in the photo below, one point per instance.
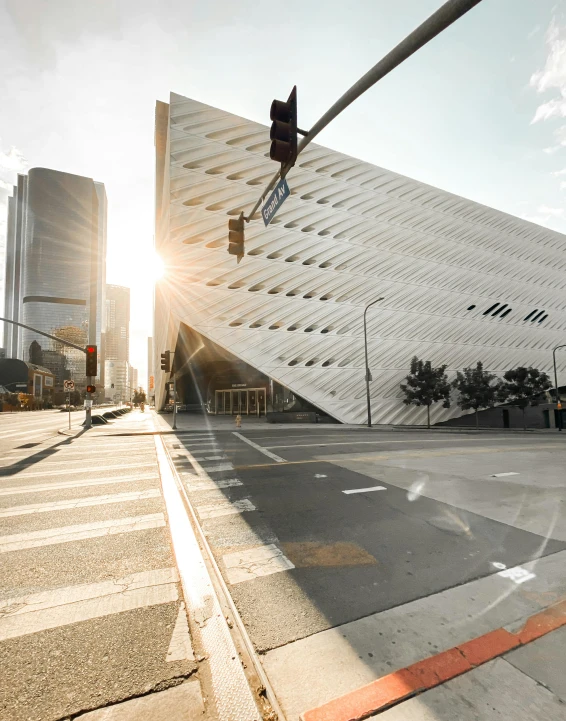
[
  {"x": 117, "y": 375},
  {"x": 458, "y": 282},
  {"x": 117, "y": 336},
  {"x": 56, "y": 269},
  {"x": 117, "y": 341}
]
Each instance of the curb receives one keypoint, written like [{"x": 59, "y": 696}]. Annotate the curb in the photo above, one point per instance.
[{"x": 436, "y": 670}]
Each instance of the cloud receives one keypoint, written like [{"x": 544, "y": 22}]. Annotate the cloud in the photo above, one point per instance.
[
  {"x": 563, "y": 185},
  {"x": 560, "y": 172},
  {"x": 550, "y": 212},
  {"x": 11, "y": 161},
  {"x": 552, "y": 77}
]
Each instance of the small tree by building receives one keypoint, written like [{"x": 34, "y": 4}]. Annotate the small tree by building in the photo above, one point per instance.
[
  {"x": 522, "y": 387},
  {"x": 476, "y": 389},
  {"x": 426, "y": 385}
]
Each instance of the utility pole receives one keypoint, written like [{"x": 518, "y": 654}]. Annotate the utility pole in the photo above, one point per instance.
[
  {"x": 368, "y": 373},
  {"x": 558, "y": 401}
]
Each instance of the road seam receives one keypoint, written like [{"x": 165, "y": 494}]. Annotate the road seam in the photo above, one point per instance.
[{"x": 435, "y": 670}]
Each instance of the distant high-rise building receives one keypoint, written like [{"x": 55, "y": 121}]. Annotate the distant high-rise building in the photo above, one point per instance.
[
  {"x": 117, "y": 337},
  {"x": 116, "y": 375},
  {"x": 133, "y": 379},
  {"x": 56, "y": 269}
]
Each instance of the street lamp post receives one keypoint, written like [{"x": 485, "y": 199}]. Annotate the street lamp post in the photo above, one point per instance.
[
  {"x": 558, "y": 402},
  {"x": 368, "y": 374}
]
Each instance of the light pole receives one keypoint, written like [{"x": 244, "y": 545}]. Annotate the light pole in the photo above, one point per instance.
[
  {"x": 368, "y": 374},
  {"x": 558, "y": 402}
]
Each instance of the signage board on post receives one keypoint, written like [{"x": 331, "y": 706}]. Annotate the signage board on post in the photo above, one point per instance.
[
  {"x": 69, "y": 385},
  {"x": 280, "y": 193}
]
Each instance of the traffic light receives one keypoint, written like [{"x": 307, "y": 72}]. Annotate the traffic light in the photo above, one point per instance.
[
  {"x": 91, "y": 361},
  {"x": 283, "y": 133},
  {"x": 236, "y": 237},
  {"x": 91, "y": 389},
  {"x": 166, "y": 362}
]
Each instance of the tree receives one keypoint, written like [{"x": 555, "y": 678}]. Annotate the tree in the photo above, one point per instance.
[
  {"x": 426, "y": 385},
  {"x": 476, "y": 389},
  {"x": 522, "y": 387}
]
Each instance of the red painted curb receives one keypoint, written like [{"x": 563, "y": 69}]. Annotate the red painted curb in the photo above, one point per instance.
[{"x": 435, "y": 670}]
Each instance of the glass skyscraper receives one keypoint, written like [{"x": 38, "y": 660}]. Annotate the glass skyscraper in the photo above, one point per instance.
[{"x": 56, "y": 270}]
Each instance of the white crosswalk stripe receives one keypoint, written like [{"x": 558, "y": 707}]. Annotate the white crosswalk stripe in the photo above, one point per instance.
[
  {"x": 41, "y": 611},
  {"x": 66, "y": 534},
  {"x": 79, "y": 503},
  {"x": 41, "y": 487}
]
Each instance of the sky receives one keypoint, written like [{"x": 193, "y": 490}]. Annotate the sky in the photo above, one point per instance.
[{"x": 480, "y": 111}]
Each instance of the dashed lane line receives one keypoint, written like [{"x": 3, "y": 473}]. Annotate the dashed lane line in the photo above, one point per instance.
[
  {"x": 42, "y": 487},
  {"x": 365, "y": 490},
  {"x": 63, "y": 606},
  {"x": 259, "y": 448},
  {"x": 71, "y": 503},
  {"x": 67, "y": 534},
  {"x": 225, "y": 509}
]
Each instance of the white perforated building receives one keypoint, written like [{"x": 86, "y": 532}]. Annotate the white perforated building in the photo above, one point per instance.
[{"x": 460, "y": 282}]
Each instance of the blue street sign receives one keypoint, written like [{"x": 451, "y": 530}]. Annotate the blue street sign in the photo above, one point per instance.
[{"x": 275, "y": 201}]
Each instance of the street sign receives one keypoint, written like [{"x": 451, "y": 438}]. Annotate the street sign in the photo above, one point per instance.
[
  {"x": 88, "y": 403},
  {"x": 275, "y": 201},
  {"x": 69, "y": 385}
]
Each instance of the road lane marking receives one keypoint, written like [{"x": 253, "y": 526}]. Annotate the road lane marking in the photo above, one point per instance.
[
  {"x": 396, "y": 455},
  {"x": 198, "y": 483},
  {"x": 224, "y": 509},
  {"x": 363, "y": 443},
  {"x": 500, "y": 475},
  {"x": 66, "y": 534},
  {"x": 79, "y": 502},
  {"x": 366, "y": 490},
  {"x": 41, "y": 487},
  {"x": 218, "y": 468},
  {"x": 40, "y": 474},
  {"x": 255, "y": 562},
  {"x": 259, "y": 448},
  {"x": 180, "y": 647},
  {"x": 50, "y": 609}
]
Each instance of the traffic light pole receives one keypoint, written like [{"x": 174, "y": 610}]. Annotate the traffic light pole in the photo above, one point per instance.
[
  {"x": 174, "y": 401},
  {"x": 433, "y": 26},
  {"x": 558, "y": 401},
  {"x": 88, "y": 409},
  {"x": 88, "y": 397}
]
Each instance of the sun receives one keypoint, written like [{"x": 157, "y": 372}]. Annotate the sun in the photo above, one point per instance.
[{"x": 157, "y": 267}]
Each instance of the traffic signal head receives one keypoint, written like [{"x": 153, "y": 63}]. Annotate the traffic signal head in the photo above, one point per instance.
[
  {"x": 91, "y": 361},
  {"x": 236, "y": 237},
  {"x": 165, "y": 362},
  {"x": 283, "y": 133},
  {"x": 91, "y": 389}
]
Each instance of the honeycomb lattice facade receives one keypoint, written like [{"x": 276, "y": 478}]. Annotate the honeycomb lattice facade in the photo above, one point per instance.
[{"x": 460, "y": 282}]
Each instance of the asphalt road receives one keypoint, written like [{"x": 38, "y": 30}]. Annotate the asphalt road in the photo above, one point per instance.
[{"x": 317, "y": 551}]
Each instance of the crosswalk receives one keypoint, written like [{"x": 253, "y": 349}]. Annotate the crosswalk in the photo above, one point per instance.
[
  {"x": 245, "y": 550},
  {"x": 88, "y": 573}
]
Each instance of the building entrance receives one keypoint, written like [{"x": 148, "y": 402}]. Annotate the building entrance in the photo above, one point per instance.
[{"x": 247, "y": 401}]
